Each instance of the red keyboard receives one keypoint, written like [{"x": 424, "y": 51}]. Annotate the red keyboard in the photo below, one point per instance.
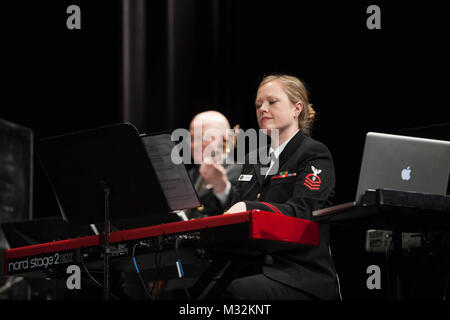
[{"x": 251, "y": 230}]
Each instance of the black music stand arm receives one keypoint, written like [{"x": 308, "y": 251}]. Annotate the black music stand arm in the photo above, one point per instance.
[{"x": 106, "y": 244}]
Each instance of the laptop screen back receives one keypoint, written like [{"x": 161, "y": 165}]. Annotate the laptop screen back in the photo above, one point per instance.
[{"x": 404, "y": 163}]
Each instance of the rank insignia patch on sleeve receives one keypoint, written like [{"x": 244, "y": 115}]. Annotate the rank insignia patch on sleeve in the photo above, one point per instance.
[{"x": 312, "y": 180}]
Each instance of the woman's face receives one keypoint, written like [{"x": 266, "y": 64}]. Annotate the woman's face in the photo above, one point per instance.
[{"x": 274, "y": 110}]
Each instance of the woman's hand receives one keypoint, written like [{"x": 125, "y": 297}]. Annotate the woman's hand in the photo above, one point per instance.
[{"x": 237, "y": 207}]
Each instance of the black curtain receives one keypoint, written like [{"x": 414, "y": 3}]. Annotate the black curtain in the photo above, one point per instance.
[{"x": 186, "y": 56}]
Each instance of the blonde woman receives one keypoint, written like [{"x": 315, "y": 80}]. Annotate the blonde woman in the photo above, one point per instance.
[{"x": 301, "y": 179}]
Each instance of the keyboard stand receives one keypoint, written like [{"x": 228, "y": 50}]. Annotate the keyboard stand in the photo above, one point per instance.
[{"x": 397, "y": 211}]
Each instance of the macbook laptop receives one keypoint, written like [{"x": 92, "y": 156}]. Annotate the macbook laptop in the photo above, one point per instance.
[
  {"x": 404, "y": 163},
  {"x": 400, "y": 166}
]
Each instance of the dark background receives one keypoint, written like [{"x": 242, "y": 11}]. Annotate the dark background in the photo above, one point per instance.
[{"x": 200, "y": 54}]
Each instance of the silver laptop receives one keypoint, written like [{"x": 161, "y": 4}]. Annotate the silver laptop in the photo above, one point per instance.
[{"x": 405, "y": 164}]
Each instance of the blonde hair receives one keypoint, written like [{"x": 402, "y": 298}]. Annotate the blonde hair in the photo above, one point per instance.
[{"x": 296, "y": 91}]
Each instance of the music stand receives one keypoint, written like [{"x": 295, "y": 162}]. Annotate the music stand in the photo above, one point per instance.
[{"x": 102, "y": 175}]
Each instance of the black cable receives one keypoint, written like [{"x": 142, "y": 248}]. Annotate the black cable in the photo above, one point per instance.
[
  {"x": 158, "y": 267},
  {"x": 92, "y": 277},
  {"x": 177, "y": 243},
  {"x": 144, "y": 285},
  {"x": 387, "y": 251}
]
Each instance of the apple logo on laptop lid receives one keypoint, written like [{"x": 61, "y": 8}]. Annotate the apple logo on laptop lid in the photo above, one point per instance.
[{"x": 406, "y": 173}]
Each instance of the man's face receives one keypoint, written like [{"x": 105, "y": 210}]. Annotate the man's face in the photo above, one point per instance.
[{"x": 206, "y": 139}]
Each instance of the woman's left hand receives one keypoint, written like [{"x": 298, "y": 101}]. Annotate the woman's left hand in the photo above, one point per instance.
[{"x": 237, "y": 207}]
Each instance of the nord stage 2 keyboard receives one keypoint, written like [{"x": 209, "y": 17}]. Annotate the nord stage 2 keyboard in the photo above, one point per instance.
[{"x": 158, "y": 247}]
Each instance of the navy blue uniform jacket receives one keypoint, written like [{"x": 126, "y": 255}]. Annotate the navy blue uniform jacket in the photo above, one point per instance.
[{"x": 304, "y": 182}]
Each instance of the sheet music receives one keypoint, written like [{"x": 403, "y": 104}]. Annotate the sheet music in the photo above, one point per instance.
[{"x": 174, "y": 179}]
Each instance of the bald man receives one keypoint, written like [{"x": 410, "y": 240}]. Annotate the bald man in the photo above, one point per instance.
[
  {"x": 213, "y": 182},
  {"x": 212, "y": 179}
]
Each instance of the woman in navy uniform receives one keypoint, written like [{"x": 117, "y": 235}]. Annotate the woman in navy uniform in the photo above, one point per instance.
[{"x": 301, "y": 179}]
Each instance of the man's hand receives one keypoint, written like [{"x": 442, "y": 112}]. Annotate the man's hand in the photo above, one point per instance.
[
  {"x": 215, "y": 175},
  {"x": 237, "y": 207}
]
